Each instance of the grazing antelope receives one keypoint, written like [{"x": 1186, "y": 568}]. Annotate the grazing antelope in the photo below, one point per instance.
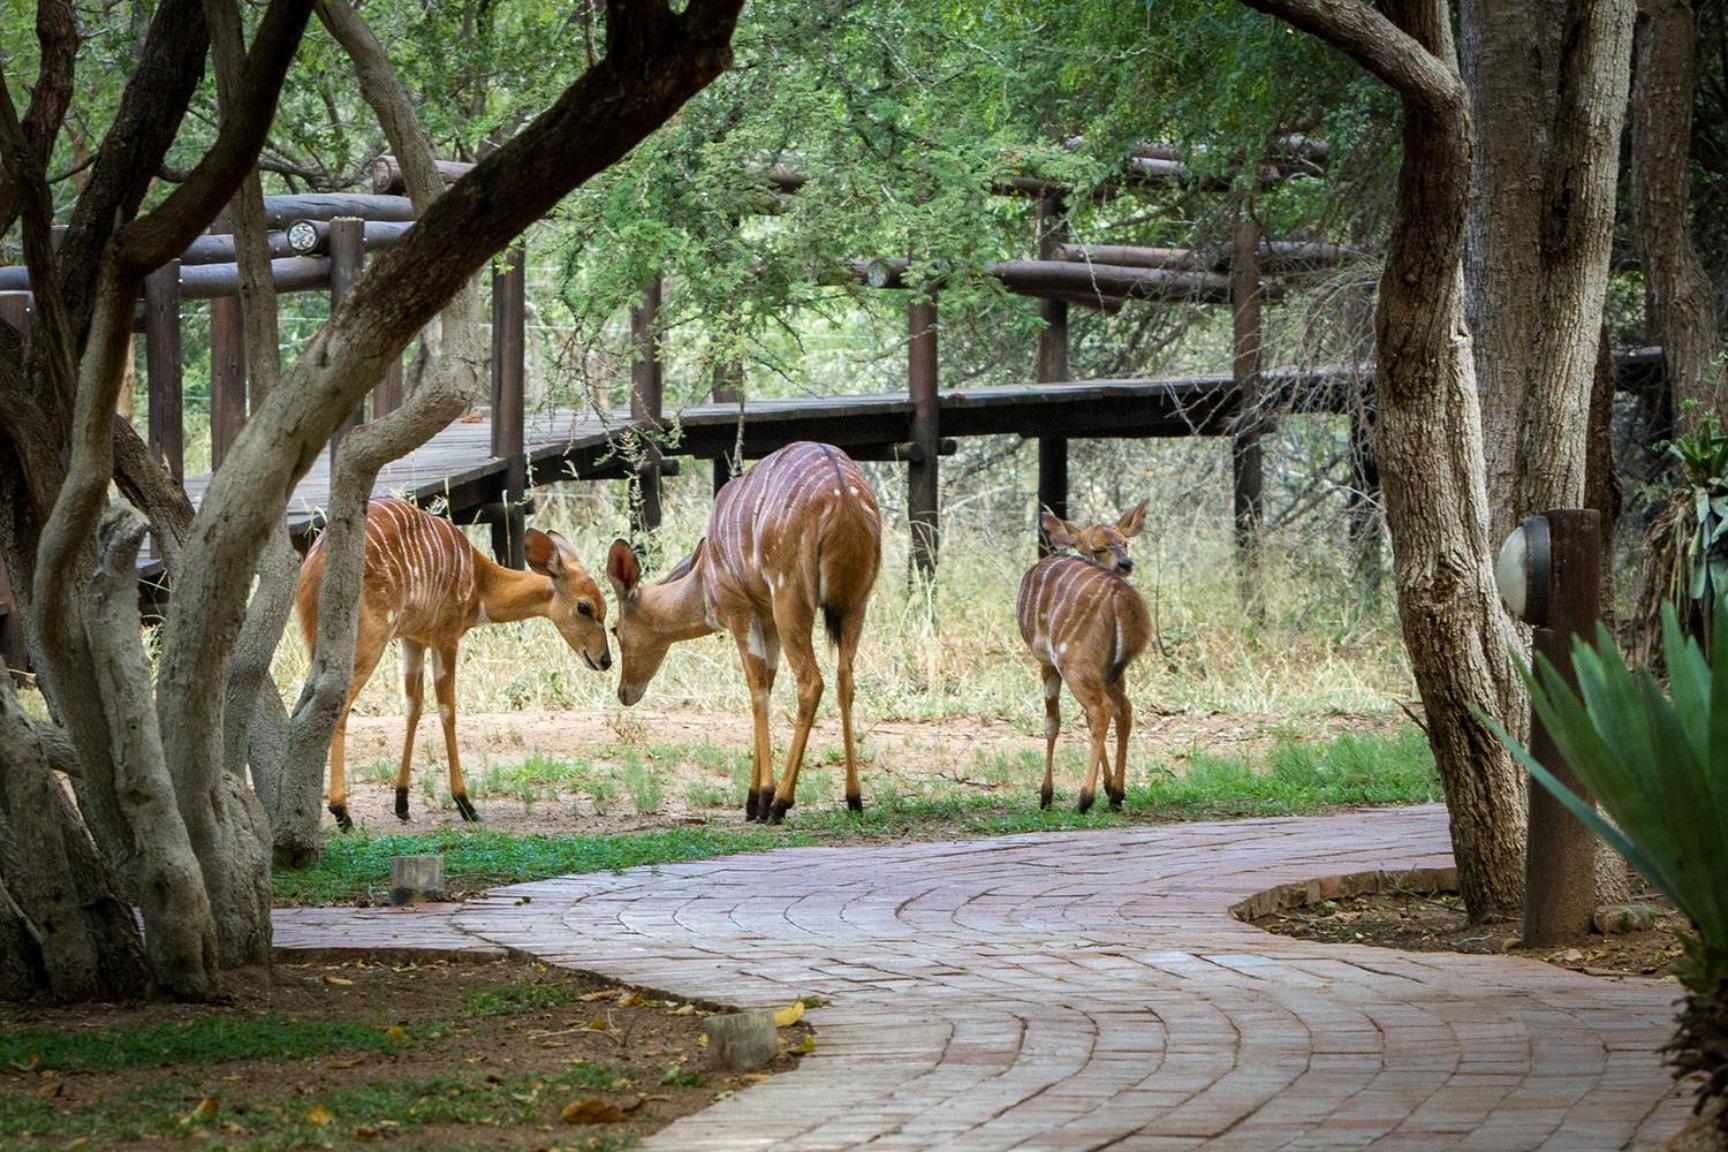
[
  {"x": 427, "y": 585},
  {"x": 799, "y": 534},
  {"x": 1085, "y": 624}
]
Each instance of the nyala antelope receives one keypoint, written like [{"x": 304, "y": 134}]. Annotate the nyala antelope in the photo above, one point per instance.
[
  {"x": 799, "y": 534},
  {"x": 1104, "y": 544},
  {"x": 1085, "y": 624},
  {"x": 426, "y": 585}
]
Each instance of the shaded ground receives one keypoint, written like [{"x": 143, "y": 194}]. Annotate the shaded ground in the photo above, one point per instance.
[
  {"x": 1436, "y": 923},
  {"x": 435, "y": 1054},
  {"x": 642, "y": 769}
]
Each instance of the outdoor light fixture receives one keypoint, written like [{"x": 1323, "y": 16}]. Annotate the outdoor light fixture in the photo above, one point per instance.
[{"x": 1522, "y": 571}]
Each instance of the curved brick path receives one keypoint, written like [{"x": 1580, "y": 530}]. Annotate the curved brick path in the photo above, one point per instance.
[{"x": 1090, "y": 991}]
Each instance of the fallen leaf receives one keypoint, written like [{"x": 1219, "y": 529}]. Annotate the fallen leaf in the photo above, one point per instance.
[
  {"x": 591, "y": 1112},
  {"x": 319, "y": 1115},
  {"x": 634, "y": 1104},
  {"x": 599, "y": 1025},
  {"x": 789, "y": 1015},
  {"x": 630, "y": 999},
  {"x": 683, "y": 1010},
  {"x": 51, "y": 1089},
  {"x": 753, "y": 1077},
  {"x": 396, "y": 1034},
  {"x": 590, "y": 997},
  {"x": 805, "y": 1046},
  {"x": 28, "y": 1064},
  {"x": 338, "y": 981},
  {"x": 203, "y": 1114},
  {"x": 355, "y": 1062},
  {"x": 365, "y": 1132}
]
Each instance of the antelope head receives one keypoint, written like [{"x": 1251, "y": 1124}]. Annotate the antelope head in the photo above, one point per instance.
[
  {"x": 1106, "y": 545},
  {"x": 650, "y": 620},
  {"x": 577, "y": 609}
]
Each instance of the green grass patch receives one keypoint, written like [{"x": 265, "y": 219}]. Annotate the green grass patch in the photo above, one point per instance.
[
  {"x": 516, "y": 998},
  {"x": 210, "y": 1040},
  {"x": 1294, "y": 777},
  {"x": 161, "y": 1111},
  {"x": 359, "y": 864}
]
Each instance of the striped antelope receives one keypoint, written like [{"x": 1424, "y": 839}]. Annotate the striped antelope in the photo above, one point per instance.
[
  {"x": 1104, "y": 544},
  {"x": 427, "y": 585},
  {"x": 1085, "y": 624},
  {"x": 800, "y": 533}
]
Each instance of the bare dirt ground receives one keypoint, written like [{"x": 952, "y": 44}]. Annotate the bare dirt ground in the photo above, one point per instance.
[
  {"x": 477, "y": 1055},
  {"x": 912, "y": 754},
  {"x": 1419, "y": 923}
]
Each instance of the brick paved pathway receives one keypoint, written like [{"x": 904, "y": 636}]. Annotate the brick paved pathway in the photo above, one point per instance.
[{"x": 1090, "y": 991}]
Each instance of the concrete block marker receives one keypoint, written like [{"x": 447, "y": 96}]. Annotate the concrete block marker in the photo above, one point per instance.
[
  {"x": 741, "y": 1041},
  {"x": 414, "y": 879}
]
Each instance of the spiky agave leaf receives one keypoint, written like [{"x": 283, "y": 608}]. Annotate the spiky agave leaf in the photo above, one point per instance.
[{"x": 1657, "y": 764}]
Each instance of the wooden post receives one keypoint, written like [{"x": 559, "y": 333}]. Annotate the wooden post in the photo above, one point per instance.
[
  {"x": 167, "y": 432},
  {"x": 1245, "y": 451},
  {"x": 227, "y": 366},
  {"x": 14, "y": 649},
  {"x": 922, "y": 476},
  {"x": 509, "y": 360},
  {"x": 728, "y": 385},
  {"x": 1560, "y": 853},
  {"x": 646, "y": 388},
  {"x": 347, "y": 260},
  {"x": 387, "y": 394},
  {"x": 1362, "y": 502},
  {"x": 1052, "y": 367}
]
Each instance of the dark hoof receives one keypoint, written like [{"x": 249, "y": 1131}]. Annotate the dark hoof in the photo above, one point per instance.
[
  {"x": 343, "y": 820},
  {"x": 401, "y": 803},
  {"x": 778, "y": 812},
  {"x": 1045, "y": 796},
  {"x": 750, "y": 805},
  {"x": 855, "y": 803},
  {"x": 466, "y": 807},
  {"x": 1116, "y": 801},
  {"x": 1086, "y": 799}
]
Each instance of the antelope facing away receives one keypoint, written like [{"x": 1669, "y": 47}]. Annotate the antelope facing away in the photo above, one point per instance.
[
  {"x": 799, "y": 534},
  {"x": 425, "y": 584},
  {"x": 1086, "y": 624}
]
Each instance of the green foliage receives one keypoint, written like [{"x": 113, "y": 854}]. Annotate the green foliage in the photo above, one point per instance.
[
  {"x": 1699, "y": 521},
  {"x": 1657, "y": 762},
  {"x": 208, "y": 1040}
]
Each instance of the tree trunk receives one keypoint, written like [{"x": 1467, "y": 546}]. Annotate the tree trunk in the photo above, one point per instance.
[
  {"x": 1548, "y": 81},
  {"x": 1682, "y": 308},
  {"x": 1428, "y": 439}
]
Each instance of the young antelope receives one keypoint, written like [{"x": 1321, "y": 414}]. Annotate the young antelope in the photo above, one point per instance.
[{"x": 1085, "y": 624}]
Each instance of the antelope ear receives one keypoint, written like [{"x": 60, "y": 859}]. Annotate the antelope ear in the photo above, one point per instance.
[
  {"x": 622, "y": 568},
  {"x": 1132, "y": 520},
  {"x": 543, "y": 553},
  {"x": 1058, "y": 531}
]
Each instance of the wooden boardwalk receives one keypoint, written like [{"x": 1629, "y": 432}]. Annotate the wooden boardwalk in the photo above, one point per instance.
[{"x": 457, "y": 466}]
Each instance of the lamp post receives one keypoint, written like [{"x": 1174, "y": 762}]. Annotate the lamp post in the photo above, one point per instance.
[{"x": 1549, "y": 574}]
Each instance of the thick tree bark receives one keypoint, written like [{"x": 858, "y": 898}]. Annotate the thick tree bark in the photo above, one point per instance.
[
  {"x": 1681, "y": 304},
  {"x": 1548, "y": 82},
  {"x": 179, "y": 931},
  {"x": 1428, "y": 439}
]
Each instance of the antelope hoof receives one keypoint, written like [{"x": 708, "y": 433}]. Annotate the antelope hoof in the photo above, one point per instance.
[
  {"x": 343, "y": 820},
  {"x": 1116, "y": 801},
  {"x": 750, "y": 805},
  {"x": 466, "y": 807},
  {"x": 402, "y": 804},
  {"x": 855, "y": 803},
  {"x": 778, "y": 812},
  {"x": 1086, "y": 799},
  {"x": 1045, "y": 796}
]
